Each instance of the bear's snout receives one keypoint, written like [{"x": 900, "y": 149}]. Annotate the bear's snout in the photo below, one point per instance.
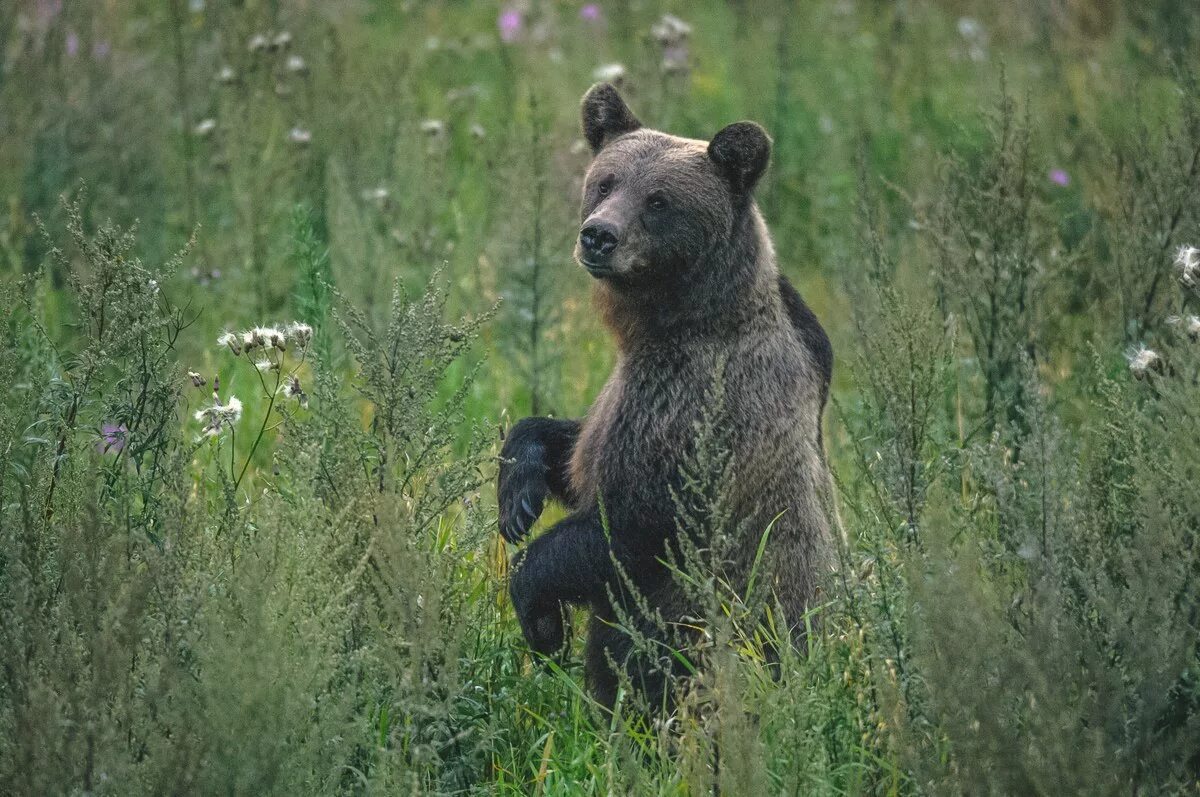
[{"x": 597, "y": 241}]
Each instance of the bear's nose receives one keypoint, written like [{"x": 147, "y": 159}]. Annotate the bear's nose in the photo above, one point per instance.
[{"x": 599, "y": 239}]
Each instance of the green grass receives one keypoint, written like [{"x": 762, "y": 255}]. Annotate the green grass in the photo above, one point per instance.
[{"x": 313, "y": 600}]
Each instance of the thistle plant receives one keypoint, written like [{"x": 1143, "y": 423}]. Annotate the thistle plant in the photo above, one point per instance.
[{"x": 275, "y": 355}]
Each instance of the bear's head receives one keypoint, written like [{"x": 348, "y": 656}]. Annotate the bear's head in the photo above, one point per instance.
[{"x": 657, "y": 207}]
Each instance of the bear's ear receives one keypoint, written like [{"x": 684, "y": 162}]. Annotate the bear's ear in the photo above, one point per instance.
[
  {"x": 606, "y": 116},
  {"x": 741, "y": 152}
]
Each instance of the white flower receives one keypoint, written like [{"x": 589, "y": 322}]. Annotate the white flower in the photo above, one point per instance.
[
  {"x": 291, "y": 389},
  {"x": 265, "y": 365},
  {"x": 231, "y": 340},
  {"x": 1187, "y": 260},
  {"x": 433, "y": 127},
  {"x": 670, "y": 30},
  {"x": 220, "y": 415},
  {"x": 379, "y": 195},
  {"x": 300, "y": 136},
  {"x": 204, "y": 128},
  {"x": 300, "y": 332},
  {"x": 1190, "y": 325},
  {"x": 295, "y": 64},
  {"x": 477, "y": 131},
  {"x": 609, "y": 73},
  {"x": 257, "y": 43},
  {"x": 1142, "y": 361},
  {"x": 226, "y": 75},
  {"x": 281, "y": 40}
]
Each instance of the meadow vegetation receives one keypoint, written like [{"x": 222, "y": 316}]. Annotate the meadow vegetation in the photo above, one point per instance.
[{"x": 275, "y": 276}]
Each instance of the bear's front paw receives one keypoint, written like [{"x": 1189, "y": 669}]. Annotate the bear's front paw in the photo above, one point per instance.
[
  {"x": 522, "y": 491},
  {"x": 543, "y": 622}
]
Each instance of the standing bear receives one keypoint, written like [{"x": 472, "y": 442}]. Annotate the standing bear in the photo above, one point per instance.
[{"x": 685, "y": 278}]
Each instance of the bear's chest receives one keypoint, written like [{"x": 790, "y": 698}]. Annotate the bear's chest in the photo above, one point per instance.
[{"x": 635, "y": 434}]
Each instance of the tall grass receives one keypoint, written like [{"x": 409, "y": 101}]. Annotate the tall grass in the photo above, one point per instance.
[{"x": 302, "y": 591}]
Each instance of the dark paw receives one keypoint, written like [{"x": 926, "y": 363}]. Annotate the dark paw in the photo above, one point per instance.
[
  {"x": 543, "y": 622},
  {"x": 522, "y": 492}
]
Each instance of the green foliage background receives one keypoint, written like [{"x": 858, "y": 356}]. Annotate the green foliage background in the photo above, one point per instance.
[{"x": 982, "y": 202}]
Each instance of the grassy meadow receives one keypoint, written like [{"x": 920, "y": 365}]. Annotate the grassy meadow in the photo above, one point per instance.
[{"x": 276, "y": 274}]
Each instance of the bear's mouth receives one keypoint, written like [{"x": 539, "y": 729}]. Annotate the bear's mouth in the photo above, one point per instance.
[{"x": 597, "y": 270}]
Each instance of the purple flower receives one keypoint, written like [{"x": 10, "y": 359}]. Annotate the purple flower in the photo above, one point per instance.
[
  {"x": 590, "y": 12},
  {"x": 100, "y": 50},
  {"x": 1060, "y": 177},
  {"x": 112, "y": 437},
  {"x": 72, "y": 44},
  {"x": 510, "y": 24}
]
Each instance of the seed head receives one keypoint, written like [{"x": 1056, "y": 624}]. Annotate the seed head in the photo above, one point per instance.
[
  {"x": 1190, "y": 325},
  {"x": 231, "y": 340},
  {"x": 300, "y": 332},
  {"x": 1187, "y": 260},
  {"x": 433, "y": 127},
  {"x": 204, "y": 128},
  {"x": 258, "y": 42},
  {"x": 1143, "y": 361},
  {"x": 219, "y": 416},
  {"x": 609, "y": 73},
  {"x": 299, "y": 136},
  {"x": 226, "y": 76},
  {"x": 292, "y": 390},
  {"x": 282, "y": 40},
  {"x": 295, "y": 64},
  {"x": 197, "y": 379}
]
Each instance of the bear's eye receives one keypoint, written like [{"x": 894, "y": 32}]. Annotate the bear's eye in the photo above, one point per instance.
[
  {"x": 605, "y": 187},
  {"x": 657, "y": 202}
]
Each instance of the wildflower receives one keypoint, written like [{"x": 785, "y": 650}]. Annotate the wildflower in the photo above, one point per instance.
[
  {"x": 1187, "y": 260},
  {"x": 1060, "y": 177},
  {"x": 477, "y": 131},
  {"x": 252, "y": 339},
  {"x": 975, "y": 36},
  {"x": 258, "y": 42},
  {"x": 153, "y": 286},
  {"x": 112, "y": 437},
  {"x": 299, "y": 136},
  {"x": 72, "y": 44},
  {"x": 226, "y": 75},
  {"x": 197, "y": 379},
  {"x": 204, "y": 128},
  {"x": 433, "y": 127},
  {"x": 266, "y": 365},
  {"x": 282, "y": 40},
  {"x": 378, "y": 195},
  {"x": 1190, "y": 325},
  {"x": 510, "y": 24},
  {"x": 220, "y": 415},
  {"x": 1142, "y": 361},
  {"x": 266, "y": 336},
  {"x": 229, "y": 339},
  {"x": 291, "y": 389},
  {"x": 670, "y": 29},
  {"x": 590, "y": 12},
  {"x": 295, "y": 64},
  {"x": 301, "y": 333},
  {"x": 672, "y": 34},
  {"x": 609, "y": 73}
]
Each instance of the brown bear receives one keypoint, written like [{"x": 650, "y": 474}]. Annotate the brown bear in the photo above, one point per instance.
[{"x": 685, "y": 277}]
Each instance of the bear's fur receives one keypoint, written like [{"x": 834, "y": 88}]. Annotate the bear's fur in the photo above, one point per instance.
[{"x": 690, "y": 286}]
